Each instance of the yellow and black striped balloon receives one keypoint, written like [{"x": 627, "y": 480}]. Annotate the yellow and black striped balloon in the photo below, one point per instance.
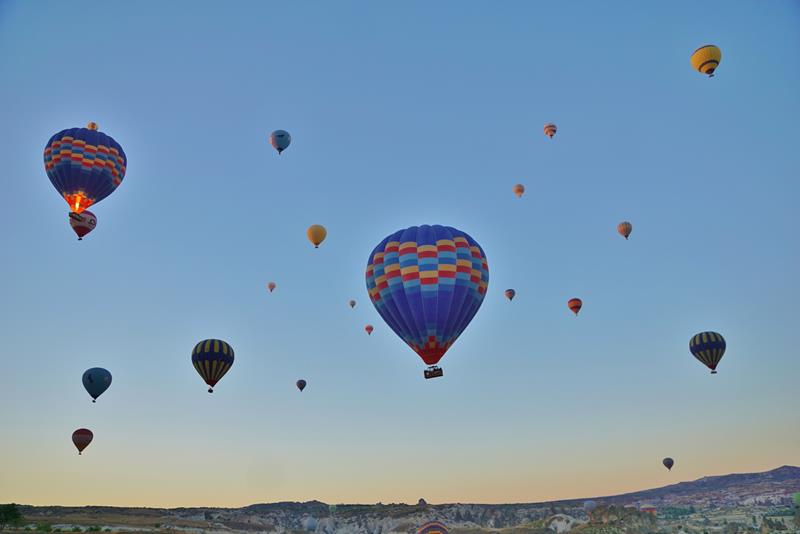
[
  {"x": 706, "y": 59},
  {"x": 708, "y": 347},
  {"x": 212, "y": 358}
]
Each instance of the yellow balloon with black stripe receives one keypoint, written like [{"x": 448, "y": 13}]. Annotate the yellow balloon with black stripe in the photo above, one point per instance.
[
  {"x": 706, "y": 59},
  {"x": 212, "y": 358}
]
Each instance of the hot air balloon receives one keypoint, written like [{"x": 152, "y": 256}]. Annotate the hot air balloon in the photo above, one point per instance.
[
  {"x": 301, "y": 384},
  {"x": 82, "y": 438},
  {"x": 433, "y": 527},
  {"x": 550, "y": 129},
  {"x": 519, "y": 190},
  {"x": 352, "y": 303},
  {"x": 427, "y": 282},
  {"x": 706, "y": 59},
  {"x": 625, "y": 228},
  {"x": 82, "y": 223},
  {"x": 708, "y": 347},
  {"x": 589, "y": 506},
  {"x": 368, "y": 329},
  {"x": 84, "y": 165},
  {"x": 280, "y": 140},
  {"x": 96, "y": 380},
  {"x": 271, "y": 286},
  {"x": 316, "y": 233},
  {"x": 510, "y": 294},
  {"x": 575, "y": 305},
  {"x": 212, "y": 358},
  {"x": 668, "y": 463}
]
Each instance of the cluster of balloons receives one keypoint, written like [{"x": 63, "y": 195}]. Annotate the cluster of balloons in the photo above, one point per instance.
[
  {"x": 427, "y": 282},
  {"x": 96, "y": 381}
]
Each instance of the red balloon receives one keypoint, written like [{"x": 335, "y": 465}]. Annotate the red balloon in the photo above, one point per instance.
[
  {"x": 82, "y": 223},
  {"x": 82, "y": 438},
  {"x": 575, "y": 305},
  {"x": 369, "y": 329}
]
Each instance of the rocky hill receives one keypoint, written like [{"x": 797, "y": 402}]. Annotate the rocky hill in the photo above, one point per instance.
[{"x": 617, "y": 514}]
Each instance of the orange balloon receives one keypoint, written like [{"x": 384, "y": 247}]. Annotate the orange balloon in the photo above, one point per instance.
[
  {"x": 625, "y": 228},
  {"x": 575, "y": 305}
]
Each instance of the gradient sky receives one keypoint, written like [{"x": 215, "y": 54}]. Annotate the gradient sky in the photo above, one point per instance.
[{"x": 401, "y": 114}]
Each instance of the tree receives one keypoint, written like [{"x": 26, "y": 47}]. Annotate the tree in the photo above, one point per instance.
[{"x": 10, "y": 515}]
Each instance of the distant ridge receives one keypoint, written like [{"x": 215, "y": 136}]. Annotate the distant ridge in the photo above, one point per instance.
[
  {"x": 783, "y": 480},
  {"x": 754, "y": 490}
]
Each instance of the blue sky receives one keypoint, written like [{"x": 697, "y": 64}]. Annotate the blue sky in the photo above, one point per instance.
[{"x": 400, "y": 114}]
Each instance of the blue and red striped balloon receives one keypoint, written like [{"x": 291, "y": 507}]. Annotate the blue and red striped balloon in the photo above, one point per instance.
[
  {"x": 427, "y": 282},
  {"x": 84, "y": 165}
]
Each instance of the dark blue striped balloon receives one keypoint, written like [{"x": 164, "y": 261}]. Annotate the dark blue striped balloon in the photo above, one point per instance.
[
  {"x": 212, "y": 358},
  {"x": 708, "y": 347}
]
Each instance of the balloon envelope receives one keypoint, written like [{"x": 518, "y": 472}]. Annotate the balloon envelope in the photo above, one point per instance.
[
  {"x": 280, "y": 140},
  {"x": 212, "y": 358},
  {"x": 575, "y": 305},
  {"x": 82, "y": 223},
  {"x": 433, "y": 527},
  {"x": 271, "y": 286},
  {"x": 81, "y": 438},
  {"x": 352, "y": 303},
  {"x": 427, "y": 282},
  {"x": 550, "y": 129},
  {"x": 96, "y": 380},
  {"x": 519, "y": 190},
  {"x": 510, "y": 294},
  {"x": 589, "y": 506},
  {"x": 84, "y": 165},
  {"x": 301, "y": 384},
  {"x": 706, "y": 59},
  {"x": 316, "y": 233},
  {"x": 625, "y": 228},
  {"x": 668, "y": 463},
  {"x": 708, "y": 348},
  {"x": 368, "y": 329}
]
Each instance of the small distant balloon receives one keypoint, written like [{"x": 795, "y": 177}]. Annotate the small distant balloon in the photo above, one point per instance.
[
  {"x": 708, "y": 348},
  {"x": 668, "y": 463},
  {"x": 301, "y": 384},
  {"x": 96, "y": 380},
  {"x": 625, "y": 228},
  {"x": 550, "y": 129},
  {"x": 433, "y": 527},
  {"x": 589, "y": 506},
  {"x": 82, "y": 223},
  {"x": 352, "y": 303},
  {"x": 575, "y": 305},
  {"x": 212, "y": 358},
  {"x": 316, "y": 233},
  {"x": 519, "y": 190},
  {"x": 705, "y": 59},
  {"x": 368, "y": 329},
  {"x": 81, "y": 438},
  {"x": 510, "y": 294},
  {"x": 271, "y": 286},
  {"x": 280, "y": 140}
]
